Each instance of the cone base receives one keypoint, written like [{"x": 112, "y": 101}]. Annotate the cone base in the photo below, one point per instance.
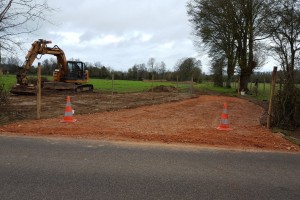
[
  {"x": 68, "y": 121},
  {"x": 224, "y": 129}
]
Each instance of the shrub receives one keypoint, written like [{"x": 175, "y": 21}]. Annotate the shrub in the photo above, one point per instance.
[
  {"x": 286, "y": 108},
  {"x": 3, "y": 93}
]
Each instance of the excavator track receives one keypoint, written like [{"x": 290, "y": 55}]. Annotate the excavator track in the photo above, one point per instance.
[
  {"x": 51, "y": 86},
  {"x": 23, "y": 90},
  {"x": 84, "y": 88},
  {"x": 67, "y": 86}
]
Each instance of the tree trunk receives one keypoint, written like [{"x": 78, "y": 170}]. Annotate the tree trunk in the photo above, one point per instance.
[
  {"x": 230, "y": 72},
  {"x": 228, "y": 81},
  {"x": 244, "y": 80}
]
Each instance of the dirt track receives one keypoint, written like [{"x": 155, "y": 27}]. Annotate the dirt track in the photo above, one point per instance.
[{"x": 189, "y": 121}]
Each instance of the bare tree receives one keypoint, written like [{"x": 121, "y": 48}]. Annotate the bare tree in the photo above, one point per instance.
[
  {"x": 141, "y": 71},
  {"x": 98, "y": 64},
  {"x": 161, "y": 69},
  {"x": 19, "y": 18},
  {"x": 217, "y": 67},
  {"x": 286, "y": 36},
  {"x": 151, "y": 63},
  {"x": 234, "y": 27},
  {"x": 285, "y": 43},
  {"x": 213, "y": 23}
]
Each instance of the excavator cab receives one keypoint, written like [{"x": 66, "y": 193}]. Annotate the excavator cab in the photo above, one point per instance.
[
  {"x": 76, "y": 71},
  {"x": 73, "y": 77}
]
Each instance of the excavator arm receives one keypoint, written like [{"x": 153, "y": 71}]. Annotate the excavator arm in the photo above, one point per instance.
[{"x": 39, "y": 47}]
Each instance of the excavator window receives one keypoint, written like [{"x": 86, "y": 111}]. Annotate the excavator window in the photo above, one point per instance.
[{"x": 75, "y": 70}]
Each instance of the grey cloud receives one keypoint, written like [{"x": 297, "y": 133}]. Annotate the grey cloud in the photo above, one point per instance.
[{"x": 122, "y": 33}]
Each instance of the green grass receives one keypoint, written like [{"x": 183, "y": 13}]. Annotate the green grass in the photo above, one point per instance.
[
  {"x": 120, "y": 86},
  {"x": 263, "y": 89},
  {"x": 125, "y": 86},
  {"x": 8, "y": 81},
  {"x": 210, "y": 86},
  {"x": 293, "y": 139}
]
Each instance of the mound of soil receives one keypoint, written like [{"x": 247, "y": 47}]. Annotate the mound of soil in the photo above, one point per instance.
[{"x": 163, "y": 88}]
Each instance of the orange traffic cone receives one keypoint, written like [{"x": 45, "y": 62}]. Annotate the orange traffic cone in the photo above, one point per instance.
[
  {"x": 224, "y": 124},
  {"x": 68, "y": 112}
]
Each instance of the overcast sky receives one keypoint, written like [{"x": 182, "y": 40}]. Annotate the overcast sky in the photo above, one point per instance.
[{"x": 121, "y": 33}]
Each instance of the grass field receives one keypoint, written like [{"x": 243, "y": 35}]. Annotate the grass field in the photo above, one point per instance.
[
  {"x": 262, "y": 94},
  {"x": 120, "y": 86},
  {"x": 125, "y": 86},
  {"x": 8, "y": 81}
]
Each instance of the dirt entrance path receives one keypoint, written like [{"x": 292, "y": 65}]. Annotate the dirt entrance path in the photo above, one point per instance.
[{"x": 190, "y": 121}]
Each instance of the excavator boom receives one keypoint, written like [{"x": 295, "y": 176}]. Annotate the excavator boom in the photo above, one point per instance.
[{"x": 39, "y": 47}]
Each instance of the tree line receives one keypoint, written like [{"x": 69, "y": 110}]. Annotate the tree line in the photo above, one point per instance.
[{"x": 184, "y": 70}]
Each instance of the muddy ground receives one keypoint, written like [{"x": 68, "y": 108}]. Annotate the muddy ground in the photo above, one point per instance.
[
  {"x": 22, "y": 107},
  {"x": 160, "y": 116}
]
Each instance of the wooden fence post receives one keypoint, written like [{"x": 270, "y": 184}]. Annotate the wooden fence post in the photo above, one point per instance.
[
  {"x": 264, "y": 90},
  {"x": 271, "y": 97},
  {"x": 238, "y": 87},
  {"x": 191, "y": 85},
  {"x": 152, "y": 85},
  {"x": 38, "y": 92},
  {"x": 112, "y": 87},
  {"x": 177, "y": 82}
]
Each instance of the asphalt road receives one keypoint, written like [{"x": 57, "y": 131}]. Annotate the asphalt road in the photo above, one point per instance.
[{"x": 37, "y": 168}]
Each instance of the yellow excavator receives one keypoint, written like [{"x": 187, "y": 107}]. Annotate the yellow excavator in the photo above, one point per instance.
[{"x": 68, "y": 75}]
